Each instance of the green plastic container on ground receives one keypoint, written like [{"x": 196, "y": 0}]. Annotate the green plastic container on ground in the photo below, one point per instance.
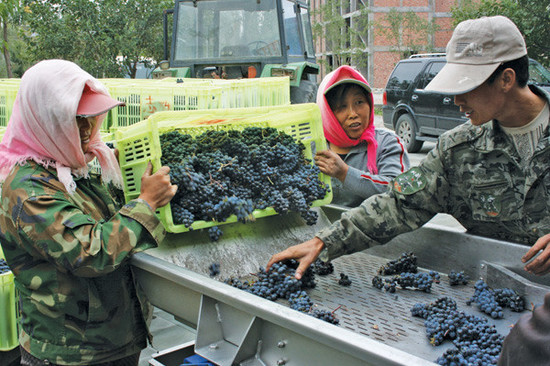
[
  {"x": 139, "y": 143},
  {"x": 9, "y": 310}
]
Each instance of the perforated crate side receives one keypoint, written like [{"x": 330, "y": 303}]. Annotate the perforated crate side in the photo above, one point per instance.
[{"x": 136, "y": 148}]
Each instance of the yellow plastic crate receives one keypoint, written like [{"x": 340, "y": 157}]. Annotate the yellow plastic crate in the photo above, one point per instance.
[
  {"x": 144, "y": 100},
  {"x": 9, "y": 310},
  {"x": 8, "y": 92},
  {"x": 140, "y": 143}
]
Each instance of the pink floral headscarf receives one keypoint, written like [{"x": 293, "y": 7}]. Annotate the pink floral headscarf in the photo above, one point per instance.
[
  {"x": 334, "y": 132},
  {"x": 43, "y": 125}
]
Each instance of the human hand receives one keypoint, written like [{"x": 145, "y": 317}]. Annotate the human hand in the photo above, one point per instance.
[
  {"x": 331, "y": 164},
  {"x": 305, "y": 253},
  {"x": 156, "y": 189},
  {"x": 540, "y": 251}
]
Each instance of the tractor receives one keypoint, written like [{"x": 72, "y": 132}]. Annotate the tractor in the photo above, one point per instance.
[{"x": 234, "y": 39}]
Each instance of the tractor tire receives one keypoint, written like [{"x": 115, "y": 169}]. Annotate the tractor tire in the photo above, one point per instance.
[
  {"x": 305, "y": 93},
  {"x": 405, "y": 128}
]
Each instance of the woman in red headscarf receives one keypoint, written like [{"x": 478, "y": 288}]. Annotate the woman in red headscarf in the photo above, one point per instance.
[{"x": 361, "y": 160}]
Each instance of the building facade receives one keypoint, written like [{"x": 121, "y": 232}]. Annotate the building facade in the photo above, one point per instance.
[{"x": 383, "y": 52}]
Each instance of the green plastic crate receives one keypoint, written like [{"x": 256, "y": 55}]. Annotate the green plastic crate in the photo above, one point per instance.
[
  {"x": 8, "y": 92},
  {"x": 9, "y": 331},
  {"x": 140, "y": 143},
  {"x": 143, "y": 100}
]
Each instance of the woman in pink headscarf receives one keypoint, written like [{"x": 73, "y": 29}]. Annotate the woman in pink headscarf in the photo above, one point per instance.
[
  {"x": 65, "y": 238},
  {"x": 361, "y": 160}
]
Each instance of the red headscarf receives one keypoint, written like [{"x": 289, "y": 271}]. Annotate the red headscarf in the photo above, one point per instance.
[{"x": 334, "y": 132}]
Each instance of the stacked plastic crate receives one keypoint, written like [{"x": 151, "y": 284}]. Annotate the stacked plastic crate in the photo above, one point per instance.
[{"x": 8, "y": 92}]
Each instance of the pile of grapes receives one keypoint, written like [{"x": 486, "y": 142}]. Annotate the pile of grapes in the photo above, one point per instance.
[
  {"x": 458, "y": 278},
  {"x": 4, "y": 266},
  {"x": 421, "y": 281},
  {"x": 405, "y": 269},
  {"x": 492, "y": 301},
  {"x": 279, "y": 283},
  {"x": 405, "y": 263},
  {"x": 477, "y": 342},
  {"x": 224, "y": 173}
]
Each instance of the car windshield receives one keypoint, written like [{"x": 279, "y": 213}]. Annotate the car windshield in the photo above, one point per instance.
[
  {"x": 227, "y": 29},
  {"x": 538, "y": 73}
]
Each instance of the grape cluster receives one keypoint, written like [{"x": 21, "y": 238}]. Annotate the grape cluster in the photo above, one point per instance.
[
  {"x": 406, "y": 263},
  {"x": 223, "y": 173},
  {"x": 4, "y": 266},
  {"x": 323, "y": 268},
  {"x": 279, "y": 283},
  {"x": 421, "y": 281},
  {"x": 344, "y": 280},
  {"x": 214, "y": 233},
  {"x": 214, "y": 269},
  {"x": 235, "y": 282},
  {"x": 300, "y": 301},
  {"x": 325, "y": 315},
  {"x": 492, "y": 301},
  {"x": 458, "y": 278},
  {"x": 476, "y": 341},
  {"x": 384, "y": 284}
]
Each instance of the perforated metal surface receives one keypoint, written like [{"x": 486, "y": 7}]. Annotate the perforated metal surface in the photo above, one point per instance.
[{"x": 386, "y": 317}]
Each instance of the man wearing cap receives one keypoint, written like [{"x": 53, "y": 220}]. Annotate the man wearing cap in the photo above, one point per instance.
[
  {"x": 65, "y": 237},
  {"x": 491, "y": 174}
]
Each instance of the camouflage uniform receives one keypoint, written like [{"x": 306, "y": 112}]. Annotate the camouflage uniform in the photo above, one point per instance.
[
  {"x": 474, "y": 174},
  {"x": 79, "y": 301}
]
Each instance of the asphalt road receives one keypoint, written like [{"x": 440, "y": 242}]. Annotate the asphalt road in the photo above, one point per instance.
[{"x": 414, "y": 158}]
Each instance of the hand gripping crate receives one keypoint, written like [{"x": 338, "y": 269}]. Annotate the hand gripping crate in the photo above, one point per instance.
[
  {"x": 140, "y": 143},
  {"x": 9, "y": 331}
]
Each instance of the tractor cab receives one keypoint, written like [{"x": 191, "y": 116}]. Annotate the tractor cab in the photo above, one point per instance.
[{"x": 232, "y": 39}]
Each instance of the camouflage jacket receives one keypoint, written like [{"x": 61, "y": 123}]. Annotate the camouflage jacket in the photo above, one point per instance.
[
  {"x": 475, "y": 174},
  {"x": 69, "y": 254}
]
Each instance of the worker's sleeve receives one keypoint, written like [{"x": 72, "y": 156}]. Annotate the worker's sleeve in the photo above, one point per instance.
[
  {"x": 392, "y": 160},
  {"x": 528, "y": 343},
  {"x": 413, "y": 199},
  {"x": 63, "y": 234}
]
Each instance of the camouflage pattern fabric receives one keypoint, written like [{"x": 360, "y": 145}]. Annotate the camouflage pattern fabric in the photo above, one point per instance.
[
  {"x": 475, "y": 174},
  {"x": 69, "y": 254}
]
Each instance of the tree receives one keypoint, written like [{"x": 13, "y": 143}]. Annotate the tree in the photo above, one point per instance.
[
  {"x": 9, "y": 10},
  {"x": 107, "y": 38},
  {"x": 346, "y": 38},
  {"x": 531, "y": 17},
  {"x": 409, "y": 34}
]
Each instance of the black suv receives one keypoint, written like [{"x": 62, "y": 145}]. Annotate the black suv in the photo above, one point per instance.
[{"x": 417, "y": 115}]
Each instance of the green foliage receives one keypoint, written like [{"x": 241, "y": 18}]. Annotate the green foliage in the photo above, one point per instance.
[
  {"x": 531, "y": 16},
  {"x": 96, "y": 34},
  {"x": 9, "y": 10},
  {"x": 345, "y": 42},
  {"x": 408, "y": 33}
]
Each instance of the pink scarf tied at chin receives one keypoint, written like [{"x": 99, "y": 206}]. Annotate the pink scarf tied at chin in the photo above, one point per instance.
[
  {"x": 334, "y": 132},
  {"x": 43, "y": 125}
]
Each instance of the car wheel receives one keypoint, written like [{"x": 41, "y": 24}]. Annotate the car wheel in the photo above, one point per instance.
[{"x": 406, "y": 130}]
